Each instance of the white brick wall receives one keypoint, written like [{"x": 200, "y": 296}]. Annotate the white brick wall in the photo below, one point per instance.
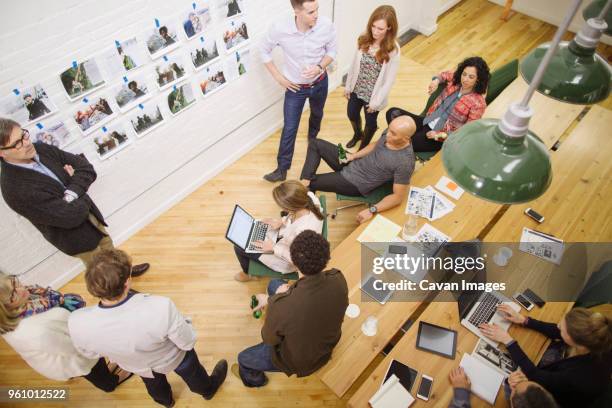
[{"x": 39, "y": 39}]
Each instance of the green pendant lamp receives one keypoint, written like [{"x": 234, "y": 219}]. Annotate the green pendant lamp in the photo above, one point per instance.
[
  {"x": 576, "y": 74},
  {"x": 594, "y": 9},
  {"x": 502, "y": 160}
]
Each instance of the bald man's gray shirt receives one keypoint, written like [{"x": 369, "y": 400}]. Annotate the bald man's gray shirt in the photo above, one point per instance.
[{"x": 380, "y": 166}]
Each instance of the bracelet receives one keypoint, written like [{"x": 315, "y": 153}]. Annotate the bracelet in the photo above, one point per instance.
[{"x": 321, "y": 68}]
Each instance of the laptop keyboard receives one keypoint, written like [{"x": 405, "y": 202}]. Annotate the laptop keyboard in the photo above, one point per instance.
[
  {"x": 485, "y": 310},
  {"x": 259, "y": 234}
]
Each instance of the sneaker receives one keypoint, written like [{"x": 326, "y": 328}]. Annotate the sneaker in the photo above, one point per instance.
[
  {"x": 217, "y": 377},
  {"x": 276, "y": 175}
]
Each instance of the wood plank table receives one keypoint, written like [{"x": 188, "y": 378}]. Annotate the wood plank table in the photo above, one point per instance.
[
  {"x": 355, "y": 351},
  {"x": 576, "y": 207}
]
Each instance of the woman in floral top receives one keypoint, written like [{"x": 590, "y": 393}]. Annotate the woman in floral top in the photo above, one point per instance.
[{"x": 372, "y": 74}]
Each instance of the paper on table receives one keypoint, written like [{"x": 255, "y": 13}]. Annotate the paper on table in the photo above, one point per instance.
[
  {"x": 448, "y": 186},
  {"x": 380, "y": 229},
  {"x": 392, "y": 394},
  {"x": 485, "y": 379},
  {"x": 442, "y": 205},
  {"x": 542, "y": 245},
  {"x": 427, "y": 233},
  {"x": 420, "y": 202}
]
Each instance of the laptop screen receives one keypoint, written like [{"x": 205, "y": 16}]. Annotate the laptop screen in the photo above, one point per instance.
[{"x": 240, "y": 227}]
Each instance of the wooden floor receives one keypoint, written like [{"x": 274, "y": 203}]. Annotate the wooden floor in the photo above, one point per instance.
[{"x": 193, "y": 263}]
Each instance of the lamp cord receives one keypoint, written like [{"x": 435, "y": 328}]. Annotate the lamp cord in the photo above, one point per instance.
[
  {"x": 604, "y": 11},
  {"x": 537, "y": 78}
]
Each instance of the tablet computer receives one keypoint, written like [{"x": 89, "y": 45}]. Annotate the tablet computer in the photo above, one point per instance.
[
  {"x": 437, "y": 340},
  {"x": 407, "y": 375},
  {"x": 379, "y": 295}
]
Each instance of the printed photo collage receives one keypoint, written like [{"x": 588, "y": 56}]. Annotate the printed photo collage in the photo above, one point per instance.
[{"x": 126, "y": 90}]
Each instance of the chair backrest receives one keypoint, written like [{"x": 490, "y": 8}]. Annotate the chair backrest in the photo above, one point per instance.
[
  {"x": 500, "y": 79},
  {"x": 323, "y": 201},
  {"x": 432, "y": 98}
]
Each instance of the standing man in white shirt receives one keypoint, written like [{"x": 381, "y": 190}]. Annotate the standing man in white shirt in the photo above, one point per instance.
[
  {"x": 143, "y": 334},
  {"x": 309, "y": 45}
]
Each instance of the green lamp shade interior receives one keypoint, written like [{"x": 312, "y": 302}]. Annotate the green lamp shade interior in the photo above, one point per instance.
[
  {"x": 575, "y": 74},
  {"x": 593, "y": 10},
  {"x": 495, "y": 167}
]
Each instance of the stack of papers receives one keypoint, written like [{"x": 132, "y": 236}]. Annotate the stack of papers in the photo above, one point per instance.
[
  {"x": 542, "y": 245},
  {"x": 427, "y": 233},
  {"x": 380, "y": 229},
  {"x": 392, "y": 394},
  {"x": 428, "y": 203},
  {"x": 484, "y": 378}
]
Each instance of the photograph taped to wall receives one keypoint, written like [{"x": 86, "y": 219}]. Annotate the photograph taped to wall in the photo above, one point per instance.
[
  {"x": 197, "y": 20},
  {"x": 124, "y": 57},
  {"x": 161, "y": 39},
  {"x": 204, "y": 51},
  {"x": 132, "y": 91},
  {"x": 81, "y": 79},
  {"x": 235, "y": 33},
  {"x": 27, "y": 105},
  {"x": 212, "y": 79},
  {"x": 110, "y": 139},
  {"x": 180, "y": 98},
  {"x": 92, "y": 113},
  {"x": 52, "y": 132},
  {"x": 169, "y": 70},
  {"x": 145, "y": 118},
  {"x": 230, "y": 8},
  {"x": 242, "y": 62}
]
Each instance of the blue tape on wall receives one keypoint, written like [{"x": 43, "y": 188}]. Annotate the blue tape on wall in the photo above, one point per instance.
[
  {"x": 16, "y": 91},
  {"x": 157, "y": 23},
  {"x": 140, "y": 106},
  {"x": 85, "y": 100},
  {"x": 104, "y": 129},
  {"x": 39, "y": 125},
  {"x": 125, "y": 79}
]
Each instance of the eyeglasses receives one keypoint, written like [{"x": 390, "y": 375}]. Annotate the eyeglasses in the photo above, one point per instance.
[{"x": 25, "y": 135}]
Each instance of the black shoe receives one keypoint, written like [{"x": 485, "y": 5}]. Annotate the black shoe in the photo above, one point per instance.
[
  {"x": 353, "y": 142},
  {"x": 276, "y": 175},
  {"x": 217, "y": 377},
  {"x": 171, "y": 404},
  {"x": 140, "y": 269},
  {"x": 367, "y": 136}
]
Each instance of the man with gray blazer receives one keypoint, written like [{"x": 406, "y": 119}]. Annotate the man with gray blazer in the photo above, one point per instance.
[{"x": 48, "y": 187}]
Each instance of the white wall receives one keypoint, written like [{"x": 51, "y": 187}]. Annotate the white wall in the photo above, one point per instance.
[
  {"x": 40, "y": 39},
  {"x": 552, "y": 11}
]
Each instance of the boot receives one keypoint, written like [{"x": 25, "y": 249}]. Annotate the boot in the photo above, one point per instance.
[
  {"x": 367, "y": 136},
  {"x": 357, "y": 135}
]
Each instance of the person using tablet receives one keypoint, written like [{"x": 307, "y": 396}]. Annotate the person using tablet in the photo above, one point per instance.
[
  {"x": 578, "y": 374},
  {"x": 524, "y": 394},
  {"x": 304, "y": 213}
]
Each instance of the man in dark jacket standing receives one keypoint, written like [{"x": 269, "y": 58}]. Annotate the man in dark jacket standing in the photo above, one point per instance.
[
  {"x": 48, "y": 186},
  {"x": 304, "y": 321}
]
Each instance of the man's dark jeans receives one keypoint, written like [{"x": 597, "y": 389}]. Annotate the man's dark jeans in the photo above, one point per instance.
[
  {"x": 292, "y": 112},
  {"x": 333, "y": 182},
  {"x": 190, "y": 370},
  {"x": 253, "y": 362}
]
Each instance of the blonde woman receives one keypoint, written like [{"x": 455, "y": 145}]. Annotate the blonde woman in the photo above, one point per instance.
[
  {"x": 304, "y": 213},
  {"x": 372, "y": 74},
  {"x": 34, "y": 321},
  {"x": 577, "y": 375}
]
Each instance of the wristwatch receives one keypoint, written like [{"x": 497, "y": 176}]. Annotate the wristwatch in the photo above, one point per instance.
[
  {"x": 373, "y": 209},
  {"x": 321, "y": 68}
]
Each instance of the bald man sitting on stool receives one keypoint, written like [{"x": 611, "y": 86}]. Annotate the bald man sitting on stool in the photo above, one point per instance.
[{"x": 391, "y": 158}]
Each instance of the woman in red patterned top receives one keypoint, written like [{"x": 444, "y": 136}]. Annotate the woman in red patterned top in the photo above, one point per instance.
[{"x": 461, "y": 101}]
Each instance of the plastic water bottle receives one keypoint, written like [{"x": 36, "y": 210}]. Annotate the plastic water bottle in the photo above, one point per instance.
[{"x": 254, "y": 303}]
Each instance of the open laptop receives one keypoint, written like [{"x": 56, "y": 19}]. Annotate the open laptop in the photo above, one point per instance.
[
  {"x": 477, "y": 307},
  {"x": 243, "y": 230}
]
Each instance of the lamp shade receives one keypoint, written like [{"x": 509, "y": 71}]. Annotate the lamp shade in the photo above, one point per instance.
[
  {"x": 494, "y": 166},
  {"x": 576, "y": 74},
  {"x": 593, "y": 10}
]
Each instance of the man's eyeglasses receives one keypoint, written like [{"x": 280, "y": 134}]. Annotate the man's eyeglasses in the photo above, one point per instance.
[{"x": 25, "y": 135}]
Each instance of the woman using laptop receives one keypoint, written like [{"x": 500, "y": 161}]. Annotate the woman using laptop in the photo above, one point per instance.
[
  {"x": 576, "y": 373},
  {"x": 304, "y": 213}
]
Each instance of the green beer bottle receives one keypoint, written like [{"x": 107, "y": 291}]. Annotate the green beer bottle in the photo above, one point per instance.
[
  {"x": 341, "y": 154},
  {"x": 254, "y": 303}
]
